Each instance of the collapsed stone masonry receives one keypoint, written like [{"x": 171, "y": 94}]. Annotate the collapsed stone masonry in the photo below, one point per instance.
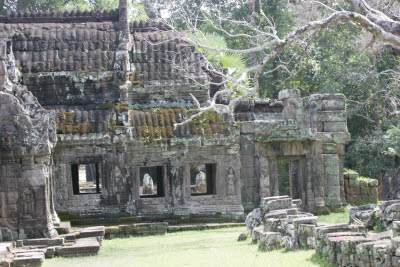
[{"x": 88, "y": 107}]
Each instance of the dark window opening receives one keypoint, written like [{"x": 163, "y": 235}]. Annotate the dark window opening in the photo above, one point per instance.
[
  {"x": 202, "y": 179},
  {"x": 85, "y": 179},
  {"x": 151, "y": 182},
  {"x": 284, "y": 178}
]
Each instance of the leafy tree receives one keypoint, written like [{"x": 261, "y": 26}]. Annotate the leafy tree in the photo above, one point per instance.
[{"x": 136, "y": 10}]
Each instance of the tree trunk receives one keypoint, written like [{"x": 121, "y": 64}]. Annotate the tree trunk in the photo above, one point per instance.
[{"x": 20, "y": 5}]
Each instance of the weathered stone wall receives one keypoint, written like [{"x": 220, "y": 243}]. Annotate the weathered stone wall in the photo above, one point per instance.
[
  {"x": 120, "y": 180},
  {"x": 360, "y": 190},
  {"x": 310, "y": 135},
  {"x": 27, "y": 137}
]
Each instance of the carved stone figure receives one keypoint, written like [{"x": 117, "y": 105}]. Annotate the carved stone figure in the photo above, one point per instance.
[
  {"x": 28, "y": 204},
  {"x": 292, "y": 102},
  {"x": 201, "y": 184},
  {"x": 148, "y": 187},
  {"x": 230, "y": 180}
]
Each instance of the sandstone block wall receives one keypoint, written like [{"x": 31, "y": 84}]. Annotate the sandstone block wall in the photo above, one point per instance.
[
  {"x": 27, "y": 138},
  {"x": 360, "y": 190}
]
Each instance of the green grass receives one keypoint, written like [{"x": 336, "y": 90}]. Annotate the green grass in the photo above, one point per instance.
[
  {"x": 338, "y": 217},
  {"x": 193, "y": 248}
]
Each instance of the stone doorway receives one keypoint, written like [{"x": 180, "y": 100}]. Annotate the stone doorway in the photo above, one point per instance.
[
  {"x": 283, "y": 176},
  {"x": 290, "y": 178}
]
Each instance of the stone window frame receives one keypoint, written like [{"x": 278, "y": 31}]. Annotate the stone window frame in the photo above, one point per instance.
[
  {"x": 213, "y": 179},
  {"x": 99, "y": 184},
  {"x": 164, "y": 181}
]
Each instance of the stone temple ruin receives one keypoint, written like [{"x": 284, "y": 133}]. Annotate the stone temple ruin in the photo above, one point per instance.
[{"x": 88, "y": 106}]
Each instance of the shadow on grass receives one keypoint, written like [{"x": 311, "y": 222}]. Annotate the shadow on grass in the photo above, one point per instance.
[{"x": 320, "y": 261}]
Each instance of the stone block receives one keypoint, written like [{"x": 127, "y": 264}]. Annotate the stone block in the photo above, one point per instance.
[
  {"x": 265, "y": 200},
  {"x": 50, "y": 252},
  {"x": 111, "y": 232},
  {"x": 278, "y": 204},
  {"x": 396, "y": 242},
  {"x": 341, "y": 138},
  {"x": 82, "y": 247},
  {"x": 92, "y": 232},
  {"x": 256, "y": 234},
  {"x": 305, "y": 220},
  {"x": 329, "y": 148},
  {"x": 305, "y": 233},
  {"x": 332, "y": 116},
  {"x": 290, "y": 93},
  {"x": 271, "y": 225},
  {"x": 333, "y": 104},
  {"x": 143, "y": 229},
  {"x": 332, "y": 179},
  {"x": 270, "y": 241},
  {"x": 396, "y": 228},
  {"x": 331, "y": 164},
  {"x": 254, "y": 218},
  {"x": 335, "y": 126},
  {"x": 70, "y": 237},
  {"x": 31, "y": 261},
  {"x": 277, "y": 214},
  {"x": 63, "y": 228},
  {"x": 43, "y": 242},
  {"x": 352, "y": 175},
  {"x": 297, "y": 202}
]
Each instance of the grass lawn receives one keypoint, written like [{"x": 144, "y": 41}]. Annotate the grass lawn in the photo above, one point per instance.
[
  {"x": 193, "y": 248},
  {"x": 339, "y": 217}
]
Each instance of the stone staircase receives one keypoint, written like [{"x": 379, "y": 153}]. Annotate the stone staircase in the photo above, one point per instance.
[{"x": 32, "y": 252}]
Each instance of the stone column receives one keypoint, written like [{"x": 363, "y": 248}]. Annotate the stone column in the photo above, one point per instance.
[
  {"x": 264, "y": 178},
  {"x": 331, "y": 172}
]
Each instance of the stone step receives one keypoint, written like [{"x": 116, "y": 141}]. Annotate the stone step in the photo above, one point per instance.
[
  {"x": 47, "y": 242},
  {"x": 28, "y": 260},
  {"x": 68, "y": 238},
  {"x": 48, "y": 252},
  {"x": 92, "y": 232},
  {"x": 63, "y": 228},
  {"x": 137, "y": 229},
  {"x": 82, "y": 247}
]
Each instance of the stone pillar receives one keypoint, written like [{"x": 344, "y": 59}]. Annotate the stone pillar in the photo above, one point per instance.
[
  {"x": 274, "y": 176},
  {"x": 123, "y": 16},
  {"x": 328, "y": 116},
  {"x": 332, "y": 180},
  {"x": 249, "y": 173},
  {"x": 264, "y": 178}
]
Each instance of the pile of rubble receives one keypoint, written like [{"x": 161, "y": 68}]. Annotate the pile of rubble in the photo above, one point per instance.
[
  {"x": 284, "y": 225},
  {"x": 32, "y": 252},
  {"x": 373, "y": 215},
  {"x": 353, "y": 245},
  {"x": 279, "y": 223}
]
